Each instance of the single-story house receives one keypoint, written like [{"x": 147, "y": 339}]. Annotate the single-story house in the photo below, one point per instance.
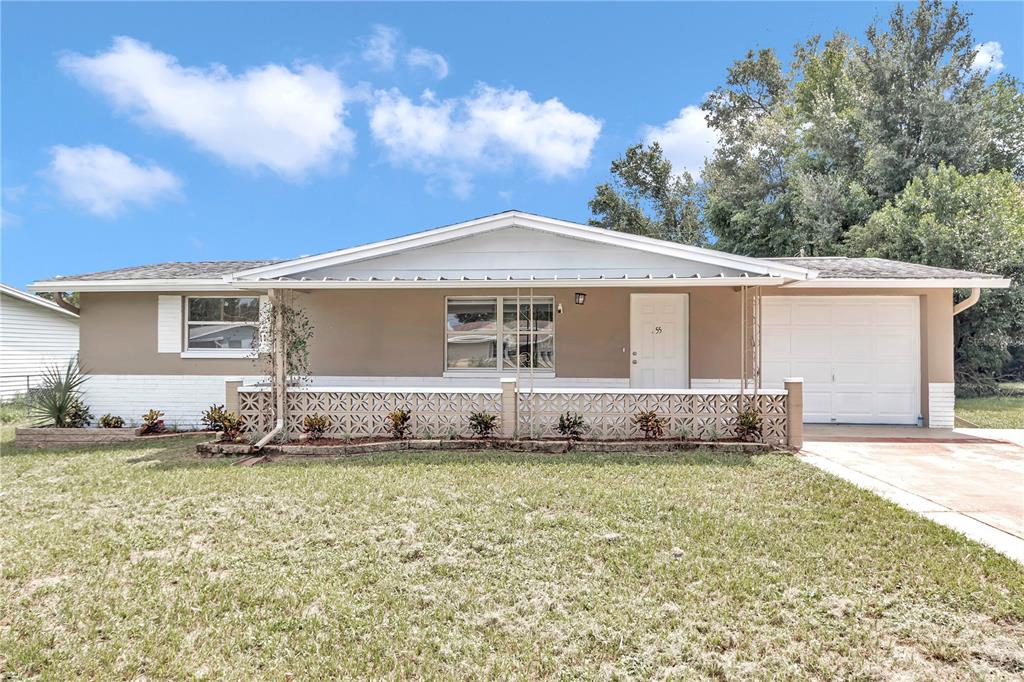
[
  {"x": 559, "y": 305},
  {"x": 35, "y": 334}
]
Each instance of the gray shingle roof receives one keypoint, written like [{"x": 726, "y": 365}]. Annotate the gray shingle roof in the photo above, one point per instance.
[
  {"x": 838, "y": 267},
  {"x": 827, "y": 268},
  {"x": 209, "y": 269}
]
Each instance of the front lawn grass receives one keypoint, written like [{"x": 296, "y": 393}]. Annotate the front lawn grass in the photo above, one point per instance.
[
  {"x": 993, "y": 412},
  {"x": 151, "y": 564}
]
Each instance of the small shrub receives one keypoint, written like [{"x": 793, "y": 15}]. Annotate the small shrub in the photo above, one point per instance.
[
  {"x": 650, "y": 423},
  {"x": 152, "y": 422},
  {"x": 572, "y": 425},
  {"x": 711, "y": 432},
  {"x": 214, "y": 416},
  {"x": 748, "y": 425},
  {"x": 399, "y": 423},
  {"x": 315, "y": 425},
  {"x": 78, "y": 415},
  {"x": 110, "y": 421},
  {"x": 483, "y": 424},
  {"x": 231, "y": 426},
  {"x": 57, "y": 402}
]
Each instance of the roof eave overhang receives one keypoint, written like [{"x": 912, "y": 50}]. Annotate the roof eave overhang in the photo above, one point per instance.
[
  {"x": 667, "y": 282},
  {"x": 35, "y": 300},
  {"x": 931, "y": 283},
  {"x": 115, "y": 285}
]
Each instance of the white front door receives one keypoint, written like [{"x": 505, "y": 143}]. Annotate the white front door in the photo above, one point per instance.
[
  {"x": 859, "y": 356},
  {"x": 659, "y": 341}
]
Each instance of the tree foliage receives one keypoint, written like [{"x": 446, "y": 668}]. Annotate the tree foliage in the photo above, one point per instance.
[
  {"x": 810, "y": 151},
  {"x": 973, "y": 223},
  {"x": 645, "y": 197}
]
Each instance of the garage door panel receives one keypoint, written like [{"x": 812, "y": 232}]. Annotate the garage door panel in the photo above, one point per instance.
[
  {"x": 811, "y": 313},
  {"x": 851, "y": 404},
  {"x": 811, "y": 342},
  {"x": 891, "y": 405},
  {"x": 894, "y": 376},
  {"x": 853, "y": 344},
  {"x": 859, "y": 356},
  {"x": 776, "y": 342},
  {"x": 775, "y": 315},
  {"x": 897, "y": 314},
  {"x": 817, "y": 405},
  {"x": 812, "y": 372},
  {"x": 859, "y": 314},
  {"x": 889, "y": 346},
  {"x": 848, "y": 373}
]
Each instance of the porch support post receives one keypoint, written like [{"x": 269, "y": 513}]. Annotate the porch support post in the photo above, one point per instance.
[
  {"x": 509, "y": 408},
  {"x": 280, "y": 363},
  {"x": 795, "y": 412},
  {"x": 231, "y": 402}
]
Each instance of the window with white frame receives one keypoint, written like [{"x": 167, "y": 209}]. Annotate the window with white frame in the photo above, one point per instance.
[
  {"x": 216, "y": 323},
  {"x": 524, "y": 338}
]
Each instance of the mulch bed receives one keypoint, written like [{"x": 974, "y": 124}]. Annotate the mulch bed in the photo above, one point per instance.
[{"x": 331, "y": 447}]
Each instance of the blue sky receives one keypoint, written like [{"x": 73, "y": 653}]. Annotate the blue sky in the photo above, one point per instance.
[{"x": 138, "y": 133}]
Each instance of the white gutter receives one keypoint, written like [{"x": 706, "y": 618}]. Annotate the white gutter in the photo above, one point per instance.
[
  {"x": 131, "y": 285},
  {"x": 967, "y": 302},
  {"x": 569, "y": 283},
  {"x": 856, "y": 283}
]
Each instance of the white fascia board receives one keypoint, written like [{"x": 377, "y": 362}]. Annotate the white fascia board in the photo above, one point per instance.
[
  {"x": 529, "y": 221},
  {"x": 42, "y": 302},
  {"x": 677, "y": 283},
  {"x": 851, "y": 283},
  {"x": 133, "y": 285}
]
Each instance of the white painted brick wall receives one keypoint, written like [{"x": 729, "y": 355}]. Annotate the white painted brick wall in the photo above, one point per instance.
[
  {"x": 941, "y": 405},
  {"x": 182, "y": 399}
]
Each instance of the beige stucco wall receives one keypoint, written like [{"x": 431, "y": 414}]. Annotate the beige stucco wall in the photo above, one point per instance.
[
  {"x": 118, "y": 336},
  {"x": 401, "y": 332}
]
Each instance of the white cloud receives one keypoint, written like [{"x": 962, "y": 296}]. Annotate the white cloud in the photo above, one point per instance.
[
  {"x": 286, "y": 120},
  {"x": 9, "y": 220},
  {"x": 989, "y": 56},
  {"x": 381, "y": 47},
  {"x": 489, "y": 129},
  {"x": 686, "y": 140},
  {"x": 419, "y": 57},
  {"x": 104, "y": 181}
]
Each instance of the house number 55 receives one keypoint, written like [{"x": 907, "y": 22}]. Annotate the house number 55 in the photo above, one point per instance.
[{"x": 657, "y": 330}]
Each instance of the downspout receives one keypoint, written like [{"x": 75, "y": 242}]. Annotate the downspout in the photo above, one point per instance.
[
  {"x": 279, "y": 378},
  {"x": 967, "y": 302}
]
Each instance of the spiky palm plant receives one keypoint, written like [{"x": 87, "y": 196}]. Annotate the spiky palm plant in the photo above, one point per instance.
[{"x": 58, "y": 401}]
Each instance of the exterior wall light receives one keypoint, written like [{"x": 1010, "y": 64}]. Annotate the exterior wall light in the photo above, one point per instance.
[{"x": 581, "y": 298}]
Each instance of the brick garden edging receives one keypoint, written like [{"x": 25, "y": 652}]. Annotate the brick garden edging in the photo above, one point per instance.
[
  {"x": 545, "y": 446},
  {"x": 52, "y": 437}
]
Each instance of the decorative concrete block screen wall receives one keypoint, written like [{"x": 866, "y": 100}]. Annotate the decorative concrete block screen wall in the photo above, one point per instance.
[
  {"x": 690, "y": 415},
  {"x": 440, "y": 413},
  {"x": 444, "y": 412}
]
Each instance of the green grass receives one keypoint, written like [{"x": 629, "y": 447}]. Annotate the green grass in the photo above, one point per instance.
[
  {"x": 14, "y": 411},
  {"x": 131, "y": 564},
  {"x": 993, "y": 412}
]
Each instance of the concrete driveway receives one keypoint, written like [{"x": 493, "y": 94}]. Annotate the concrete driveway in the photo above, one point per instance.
[{"x": 970, "y": 480}]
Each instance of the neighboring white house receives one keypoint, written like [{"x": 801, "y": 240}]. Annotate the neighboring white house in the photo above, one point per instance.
[{"x": 34, "y": 334}]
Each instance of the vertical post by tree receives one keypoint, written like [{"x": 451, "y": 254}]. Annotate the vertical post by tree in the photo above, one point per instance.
[{"x": 285, "y": 332}]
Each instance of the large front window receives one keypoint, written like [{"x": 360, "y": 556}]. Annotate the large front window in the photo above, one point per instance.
[
  {"x": 220, "y": 323},
  {"x": 524, "y": 339}
]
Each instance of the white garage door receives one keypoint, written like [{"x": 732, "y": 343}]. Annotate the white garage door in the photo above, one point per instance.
[{"x": 859, "y": 356}]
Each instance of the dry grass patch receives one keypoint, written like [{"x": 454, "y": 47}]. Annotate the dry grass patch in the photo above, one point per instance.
[{"x": 123, "y": 563}]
